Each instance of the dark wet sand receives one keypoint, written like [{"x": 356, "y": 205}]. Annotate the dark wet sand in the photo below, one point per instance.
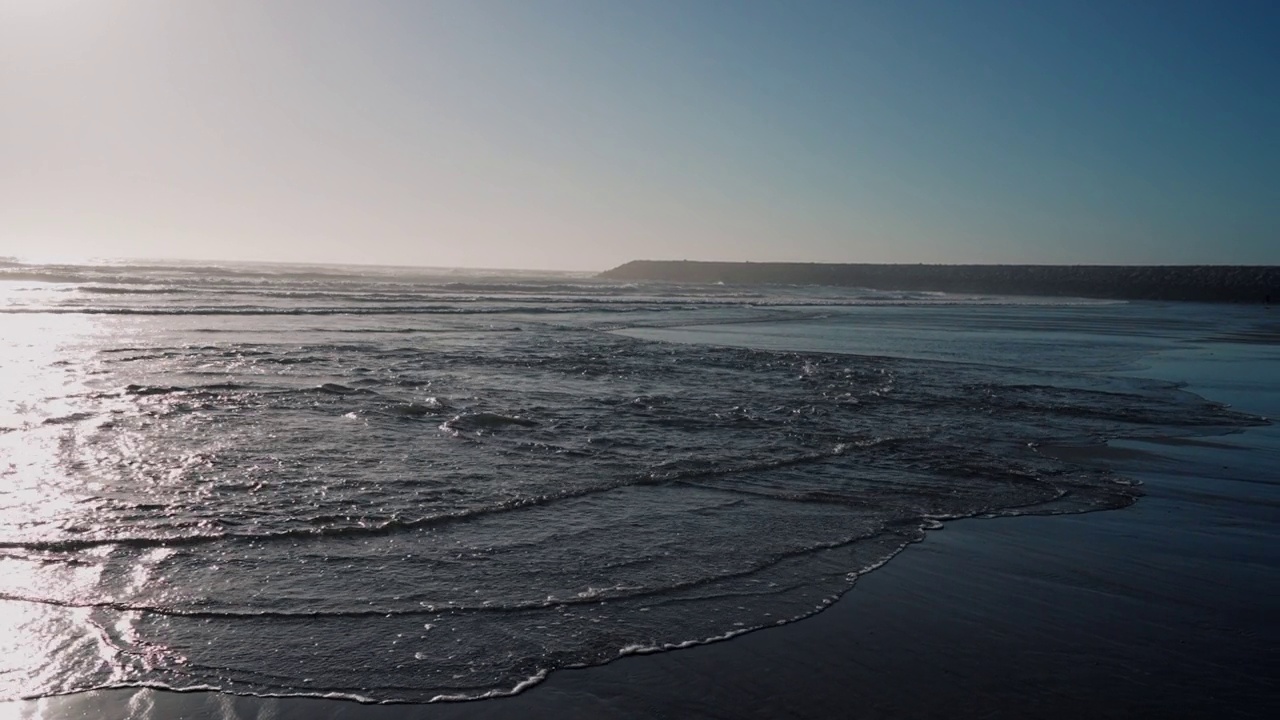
[{"x": 1167, "y": 609}]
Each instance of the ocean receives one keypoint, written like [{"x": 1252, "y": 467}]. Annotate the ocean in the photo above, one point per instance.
[{"x": 407, "y": 485}]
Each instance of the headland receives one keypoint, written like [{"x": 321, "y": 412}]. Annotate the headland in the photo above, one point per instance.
[{"x": 1196, "y": 283}]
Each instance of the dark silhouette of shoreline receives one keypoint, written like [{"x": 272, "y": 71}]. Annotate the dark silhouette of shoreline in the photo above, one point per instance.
[{"x": 1198, "y": 283}]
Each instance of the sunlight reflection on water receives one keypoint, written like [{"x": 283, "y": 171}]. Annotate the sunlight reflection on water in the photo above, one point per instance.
[
  {"x": 42, "y": 391},
  {"x": 43, "y": 394}
]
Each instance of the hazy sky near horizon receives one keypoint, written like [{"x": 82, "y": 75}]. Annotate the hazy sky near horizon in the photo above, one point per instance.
[{"x": 578, "y": 134}]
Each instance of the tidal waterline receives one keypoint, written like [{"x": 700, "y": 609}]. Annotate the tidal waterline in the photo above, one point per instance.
[{"x": 407, "y": 487}]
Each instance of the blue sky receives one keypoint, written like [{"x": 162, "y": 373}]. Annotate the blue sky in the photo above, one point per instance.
[{"x": 581, "y": 134}]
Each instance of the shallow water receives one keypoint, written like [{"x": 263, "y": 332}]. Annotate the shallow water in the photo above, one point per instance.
[{"x": 411, "y": 485}]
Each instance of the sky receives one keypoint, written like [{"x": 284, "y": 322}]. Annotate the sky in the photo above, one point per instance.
[{"x": 580, "y": 134}]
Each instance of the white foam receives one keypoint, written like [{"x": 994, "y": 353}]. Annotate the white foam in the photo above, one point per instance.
[{"x": 515, "y": 690}]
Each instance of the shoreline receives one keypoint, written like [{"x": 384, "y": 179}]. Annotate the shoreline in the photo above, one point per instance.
[
  {"x": 1104, "y": 614},
  {"x": 1162, "y": 609}
]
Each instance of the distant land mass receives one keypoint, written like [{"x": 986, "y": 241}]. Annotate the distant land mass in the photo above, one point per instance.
[{"x": 1198, "y": 283}]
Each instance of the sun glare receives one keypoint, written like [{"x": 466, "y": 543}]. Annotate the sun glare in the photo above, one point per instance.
[{"x": 41, "y": 385}]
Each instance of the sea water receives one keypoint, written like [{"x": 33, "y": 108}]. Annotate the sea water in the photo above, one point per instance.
[{"x": 410, "y": 485}]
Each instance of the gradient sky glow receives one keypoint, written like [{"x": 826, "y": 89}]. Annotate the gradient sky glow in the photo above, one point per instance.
[{"x": 579, "y": 134}]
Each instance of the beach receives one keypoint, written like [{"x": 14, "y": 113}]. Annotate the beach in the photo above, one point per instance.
[
  {"x": 576, "y": 360},
  {"x": 1105, "y": 599},
  {"x": 1162, "y": 610}
]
